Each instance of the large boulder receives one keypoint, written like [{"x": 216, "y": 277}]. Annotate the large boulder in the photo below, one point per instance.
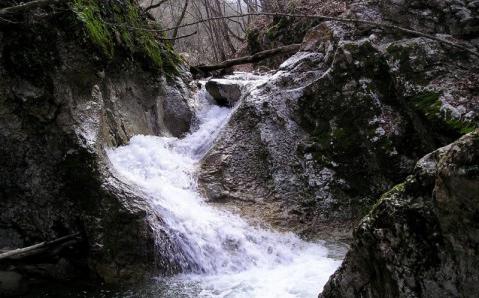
[
  {"x": 66, "y": 95},
  {"x": 342, "y": 121},
  {"x": 224, "y": 92},
  {"x": 421, "y": 238},
  {"x": 458, "y": 18},
  {"x": 227, "y": 91}
]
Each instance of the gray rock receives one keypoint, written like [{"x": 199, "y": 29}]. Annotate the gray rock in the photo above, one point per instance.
[
  {"x": 177, "y": 108},
  {"x": 420, "y": 239},
  {"x": 341, "y": 122},
  {"x": 57, "y": 118},
  {"x": 225, "y": 93}
]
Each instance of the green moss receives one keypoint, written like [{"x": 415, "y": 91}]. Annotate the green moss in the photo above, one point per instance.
[
  {"x": 170, "y": 59},
  {"x": 271, "y": 32},
  {"x": 429, "y": 105},
  {"x": 136, "y": 41},
  {"x": 122, "y": 19},
  {"x": 89, "y": 13},
  {"x": 367, "y": 209},
  {"x": 399, "y": 188},
  {"x": 462, "y": 127},
  {"x": 277, "y": 28},
  {"x": 393, "y": 192}
]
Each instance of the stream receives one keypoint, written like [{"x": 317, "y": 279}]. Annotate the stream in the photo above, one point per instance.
[{"x": 222, "y": 255}]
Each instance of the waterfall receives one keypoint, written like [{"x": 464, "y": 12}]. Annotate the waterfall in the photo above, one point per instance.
[{"x": 224, "y": 256}]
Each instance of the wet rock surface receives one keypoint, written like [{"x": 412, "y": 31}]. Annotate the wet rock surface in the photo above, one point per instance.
[
  {"x": 341, "y": 122},
  {"x": 223, "y": 92},
  {"x": 61, "y": 104},
  {"x": 420, "y": 239}
]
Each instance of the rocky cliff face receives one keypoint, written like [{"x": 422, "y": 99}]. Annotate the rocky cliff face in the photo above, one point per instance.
[
  {"x": 420, "y": 240},
  {"x": 274, "y": 31},
  {"x": 69, "y": 88},
  {"x": 346, "y": 118}
]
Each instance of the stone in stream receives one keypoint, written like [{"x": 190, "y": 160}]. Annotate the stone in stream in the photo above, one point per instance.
[
  {"x": 225, "y": 93},
  {"x": 228, "y": 91}
]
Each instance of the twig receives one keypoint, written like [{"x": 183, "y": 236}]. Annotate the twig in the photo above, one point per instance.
[
  {"x": 179, "y": 37},
  {"x": 26, "y": 6},
  {"x": 338, "y": 19},
  {"x": 180, "y": 20},
  {"x": 155, "y": 5},
  {"x": 7, "y": 21},
  {"x": 34, "y": 249}
]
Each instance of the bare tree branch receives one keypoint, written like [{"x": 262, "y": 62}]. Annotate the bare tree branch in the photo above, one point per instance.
[
  {"x": 11, "y": 10},
  {"x": 338, "y": 19},
  {"x": 180, "y": 20},
  {"x": 179, "y": 37},
  {"x": 153, "y": 6},
  {"x": 237, "y": 37}
]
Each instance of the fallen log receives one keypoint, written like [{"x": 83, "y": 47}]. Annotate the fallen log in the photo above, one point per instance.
[
  {"x": 38, "y": 248},
  {"x": 247, "y": 59},
  {"x": 11, "y": 10}
]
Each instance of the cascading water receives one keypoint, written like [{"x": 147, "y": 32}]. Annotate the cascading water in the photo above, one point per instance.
[{"x": 222, "y": 255}]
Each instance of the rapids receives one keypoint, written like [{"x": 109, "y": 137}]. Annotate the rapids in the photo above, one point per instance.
[{"x": 222, "y": 255}]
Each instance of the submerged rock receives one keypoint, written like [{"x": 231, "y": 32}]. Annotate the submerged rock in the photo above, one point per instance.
[{"x": 421, "y": 238}]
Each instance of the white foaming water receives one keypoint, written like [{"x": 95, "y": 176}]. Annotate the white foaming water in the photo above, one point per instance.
[{"x": 227, "y": 257}]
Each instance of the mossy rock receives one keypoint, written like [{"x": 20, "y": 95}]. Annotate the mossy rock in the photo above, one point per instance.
[
  {"x": 429, "y": 106},
  {"x": 118, "y": 26}
]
